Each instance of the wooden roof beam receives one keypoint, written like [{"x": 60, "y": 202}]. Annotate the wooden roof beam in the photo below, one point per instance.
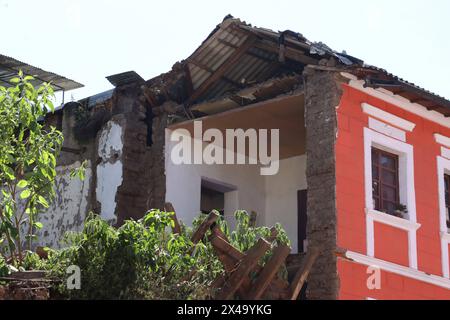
[{"x": 289, "y": 53}]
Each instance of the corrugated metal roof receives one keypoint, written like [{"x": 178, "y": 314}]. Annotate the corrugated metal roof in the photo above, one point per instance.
[
  {"x": 262, "y": 61},
  {"x": 124, "y": 78},
  {"x": 9, "y": 67}
]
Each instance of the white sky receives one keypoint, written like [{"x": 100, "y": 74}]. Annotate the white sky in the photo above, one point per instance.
[{"x": 86, "y": 40}]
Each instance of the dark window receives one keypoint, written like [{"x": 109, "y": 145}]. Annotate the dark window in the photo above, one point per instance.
[
  {"x": 211, "y": 199},
  {"x": 385, "y": 185},
  {"x": 447, "y": 198}
]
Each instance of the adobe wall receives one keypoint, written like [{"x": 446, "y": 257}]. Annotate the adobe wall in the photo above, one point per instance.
[{"x": 322, "y": 95}]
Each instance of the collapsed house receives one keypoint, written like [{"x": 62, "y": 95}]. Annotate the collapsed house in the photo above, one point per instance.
[{"x": 362, "y": 170}]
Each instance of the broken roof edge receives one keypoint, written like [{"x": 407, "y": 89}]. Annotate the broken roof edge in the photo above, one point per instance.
[
  {"x": 169, "y": 85},
  {"x": 57, "y": 81}
]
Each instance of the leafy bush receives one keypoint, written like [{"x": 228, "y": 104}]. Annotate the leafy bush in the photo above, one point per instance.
[
  {"x": 28, "y": 152},
  {"x": 4, "y": 270},
  {"x": 143, "y": 259}
]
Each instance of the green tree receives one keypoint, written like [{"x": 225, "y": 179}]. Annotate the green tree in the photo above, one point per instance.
[{"x": 28, "y": 151}]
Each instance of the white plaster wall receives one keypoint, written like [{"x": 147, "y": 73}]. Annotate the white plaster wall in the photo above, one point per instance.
[
  {"x": 109, "y": 170},
  {"x": 281, "y": 195},
  {"x": 68, "y": 210},
  {"x": 183, "y": 187},
  {"x": 109, "y": 178},
  {"x": 274, "y": 198}
]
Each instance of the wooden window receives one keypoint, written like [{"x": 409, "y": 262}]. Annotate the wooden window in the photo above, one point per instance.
[
  {"x": 447, "y": 198},
  {"x": 385, "y": 183}
]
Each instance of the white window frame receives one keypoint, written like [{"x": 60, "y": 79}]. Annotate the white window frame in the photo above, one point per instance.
[
  {"x": 443, "y": 167},
  {"x": 406, "y": 190}
]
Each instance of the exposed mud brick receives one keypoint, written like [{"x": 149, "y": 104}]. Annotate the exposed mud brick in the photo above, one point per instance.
[{"x": 322, "y": 96}]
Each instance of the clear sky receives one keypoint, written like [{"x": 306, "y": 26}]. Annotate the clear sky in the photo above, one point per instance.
[{"x": 87, "y": 40}]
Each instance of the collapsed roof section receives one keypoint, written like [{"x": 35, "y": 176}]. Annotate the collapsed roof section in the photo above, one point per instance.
[
  {"x": 240, "y": 64},
  {"x": 9, "y": 67}
]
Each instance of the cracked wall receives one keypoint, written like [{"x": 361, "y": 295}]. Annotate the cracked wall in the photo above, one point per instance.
[{"x": 69, "y": 208}]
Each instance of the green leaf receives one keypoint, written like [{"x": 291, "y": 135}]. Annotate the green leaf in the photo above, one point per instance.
[
  {"x": 9, "y": 172},
  {"x": 38, "y": 225},
  {"x": 22, "y": 183},
  {"x": 42, "y": 201},
  {"x": 25, "y": 194}
]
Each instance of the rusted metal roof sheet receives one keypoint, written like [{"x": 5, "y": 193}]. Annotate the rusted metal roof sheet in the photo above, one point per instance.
[{"x": 9, "y": 67}]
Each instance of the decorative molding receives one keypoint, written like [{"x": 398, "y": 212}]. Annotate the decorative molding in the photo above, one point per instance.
[
  {"x": 445, "y": 152},
  {"x": 445, "y": 141},
  {"x": 398, "y": 269},
  {"x": 407, "y": 191},
  {"x": 398, "y": 101},
  {"x": 386, "y": 129},
  {"x": 443, "y": 166},
  {"x": 393, "y": 221},
  {"x": 388, "y": 117},
  {"x": 445, "y": 236}
]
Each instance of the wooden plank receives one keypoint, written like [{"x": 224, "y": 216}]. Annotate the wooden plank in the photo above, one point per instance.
[
  {"x": 273, "y": 235},
  {"x": 224, "y": 246},
  {"x": 302, "y": 273},
  {"x": 200, "y": 232},
  {"x": 268, "y": 272},
  {"x": 289, "y": 53},
  {"x": 247, "y": 264},
  {"x": 168, "y": 207},
  {"x": 229, "y": 63},
  {"x": 253, "y": 217}
]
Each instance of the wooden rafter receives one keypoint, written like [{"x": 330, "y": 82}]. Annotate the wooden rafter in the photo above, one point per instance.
[{"x": 289, "y": 53}]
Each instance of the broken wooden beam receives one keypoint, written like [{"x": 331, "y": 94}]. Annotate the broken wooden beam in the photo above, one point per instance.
[
  {"x": 246, "y": 265},
  {"x": 302, "y": 273},
  {"x": 203, "y": 228},
  {"x": 224, "y": 246},
  {"x": 268, "y": 272}
]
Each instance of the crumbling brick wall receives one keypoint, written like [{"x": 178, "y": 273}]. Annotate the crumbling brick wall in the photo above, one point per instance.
[
  {"x": 143, "y": 185},
  {"x": 322, "y": 96}
]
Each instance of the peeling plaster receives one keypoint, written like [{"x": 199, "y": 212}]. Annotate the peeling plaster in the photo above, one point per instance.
[
  {"x": 110, "y": 143},
  {"x": 68, "y": 210},
  {"x": 109, "y": 170},
  {"x": 109, "y": 178}
]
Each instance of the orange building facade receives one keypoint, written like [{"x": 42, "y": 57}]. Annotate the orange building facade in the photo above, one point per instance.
[{"x": 392, "y": 167}]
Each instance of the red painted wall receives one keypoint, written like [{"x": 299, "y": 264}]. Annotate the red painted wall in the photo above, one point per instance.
[{"x": 391, "y": 244}]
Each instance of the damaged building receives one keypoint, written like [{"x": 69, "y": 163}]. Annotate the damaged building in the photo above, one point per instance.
[{"x": 356, "y": 143}]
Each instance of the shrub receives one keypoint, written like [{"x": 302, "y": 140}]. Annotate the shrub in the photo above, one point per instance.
[{"x": 143, "y": 259}]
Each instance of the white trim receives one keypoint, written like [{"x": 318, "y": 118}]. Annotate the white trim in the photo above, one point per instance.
[
  {"x": 386, "y": 129},
  {"x": 407, "y": 191},
  {"x": 442, "y": 139},
  {"x": 445, "y": 152},
  {"x": 387, "y": 117},
  {"x": 445, "y": 236},
  {"x": 398, "y": 269},
  {"x": 443, "y": 166},
  {"x": 398, "y": 101},
  {"x": 393, "y": 221}
]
